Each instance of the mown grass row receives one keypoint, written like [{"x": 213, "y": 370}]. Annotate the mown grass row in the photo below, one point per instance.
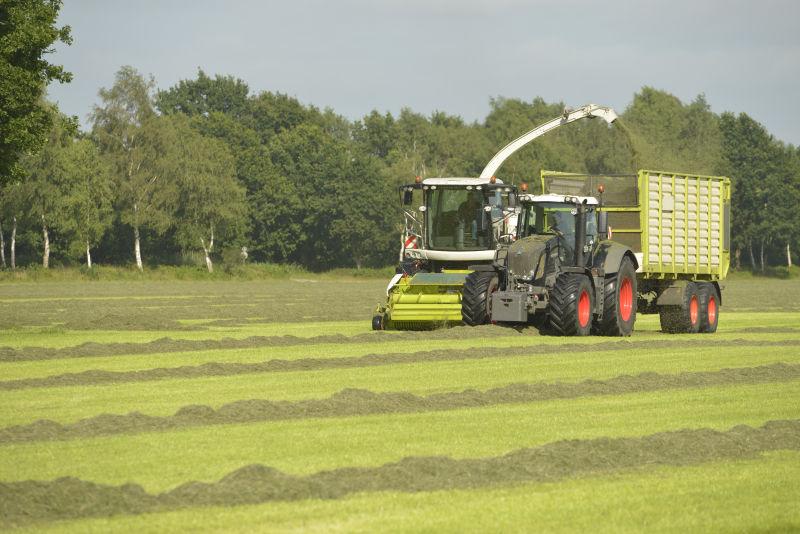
[
  {"x": 758, "y": 493},
  {"x": 162, "y": 460},
  {"x": 70, "y": 403}
]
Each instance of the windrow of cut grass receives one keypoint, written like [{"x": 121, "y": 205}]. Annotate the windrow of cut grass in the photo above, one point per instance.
[
  {"x": 292, "y": 348},
  {"x": 464, "y": 369},
  {"x": 162, "y": 460},
  {"x": 98, "y": 376},
  {"x": 69, "y": 498},
  {"x": 758, "y": 494},
  {"x": 350, "y": 402}
]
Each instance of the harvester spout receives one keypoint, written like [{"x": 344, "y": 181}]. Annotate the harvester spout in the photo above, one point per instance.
[{"x": 569, "y": 115}]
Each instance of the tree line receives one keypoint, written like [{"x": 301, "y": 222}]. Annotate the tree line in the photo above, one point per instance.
[{"x": 208, "y": 169}]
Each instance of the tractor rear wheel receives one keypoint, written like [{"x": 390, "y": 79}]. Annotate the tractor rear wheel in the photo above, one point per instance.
[
  {"x": 476, "y": 298},
  {"x": 709, "y": 307},
  {"x": 619, "y": 302},
  {"x": 571, "y": 305},
  {"x": 685, "y": 318}
]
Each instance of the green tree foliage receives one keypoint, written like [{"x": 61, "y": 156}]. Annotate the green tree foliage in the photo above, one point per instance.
[
  {"x": 204, "y": 95},
  {"x": 27, "y": 32},
  {"x": 670, "y": 135},
  {"x": 766, "y": 180}
]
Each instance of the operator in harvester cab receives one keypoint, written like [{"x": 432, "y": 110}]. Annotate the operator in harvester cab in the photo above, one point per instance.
[{"x": 469, "y": 213}]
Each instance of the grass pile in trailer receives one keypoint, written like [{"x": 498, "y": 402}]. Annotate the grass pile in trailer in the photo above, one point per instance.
[{"x": 268, "y": 404}]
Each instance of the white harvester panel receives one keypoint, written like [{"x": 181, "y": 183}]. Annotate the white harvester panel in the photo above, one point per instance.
[{"x": 685, "y": 224}]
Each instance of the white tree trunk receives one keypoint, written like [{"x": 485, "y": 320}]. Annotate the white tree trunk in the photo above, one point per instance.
[
  {"x": 788, "y": 255},
  {"x": 14, "y": 245},
  {"x": 88, "y": 256},
  {"x": 137, "y": 249},
  {"x": 762, "y": 255},
  {"x": 752, "y": 258},
  {"x": 46, "y": 253},
  {"x": 2, "y": 248},
  {"x": 207, "y": 250}
]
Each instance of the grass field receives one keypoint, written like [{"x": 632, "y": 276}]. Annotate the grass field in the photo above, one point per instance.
[{"x": 269, "y": 405}]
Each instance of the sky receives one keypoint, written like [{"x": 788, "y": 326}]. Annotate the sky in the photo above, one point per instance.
[{"x": 449, "y": 55}]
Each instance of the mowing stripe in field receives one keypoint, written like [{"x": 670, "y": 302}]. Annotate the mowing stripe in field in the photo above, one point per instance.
[
  {"x": 352, "y": 402},
  {"x": 743, "y": 495},
  {"x": 162, "y": 460},
  {"x": 97, "y": 376},
  {"x": 482, "y": 371},
  {"x": 41, "y": 369},
  {"x": 56, "y": 499}
]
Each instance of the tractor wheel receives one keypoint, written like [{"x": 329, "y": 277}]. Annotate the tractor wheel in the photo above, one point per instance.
[
  {"x": 619, "y": 302},
  {"x": 683, "y": 319},
  {"x": 709, "y": 307},
  {"x": 571, "y": 305},
  {"x": 379, "y": 322},
  {"x": 476, "y": 298}
]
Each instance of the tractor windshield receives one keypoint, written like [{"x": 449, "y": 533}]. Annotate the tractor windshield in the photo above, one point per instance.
[
  {"x": 555, "y": 218},
  {"x": 456, "y": 219}
]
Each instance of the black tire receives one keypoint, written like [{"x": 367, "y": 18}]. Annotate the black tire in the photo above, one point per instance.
[
  {"x": 683, "y": 319},
  {"x": 619, "y": 302},
  {"x": 709, "y": 307},
  {"x": 378, "y": 322},
  {"x": 476, "y": 298},
  {"x": 571, "y": 305}
]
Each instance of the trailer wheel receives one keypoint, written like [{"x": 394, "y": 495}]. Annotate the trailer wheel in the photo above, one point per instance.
[
  {"x": 683, "y": 319},
  {"x": 709, "y": 307},
  {"x": 619, "y": 302},
  {"x": 476, "y": 298},
  {"x": 571, "y": 305}
]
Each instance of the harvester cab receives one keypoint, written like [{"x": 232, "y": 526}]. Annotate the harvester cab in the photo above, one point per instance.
[
  {"x": 455, "y": 222},
  {"x": 451, "y": 225}
]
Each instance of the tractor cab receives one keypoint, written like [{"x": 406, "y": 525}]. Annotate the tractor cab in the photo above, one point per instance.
[
  {"x": 454, "y": 222},
  {"x": 557, "y": 216}
]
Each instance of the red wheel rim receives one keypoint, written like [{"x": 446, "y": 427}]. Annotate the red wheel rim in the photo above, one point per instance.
[
  {"x": 584, "y": 309},
  {"x": 626, "y": 299},
  {"x": 712, "y": 310},
  {"x": 693, "y": 309}
]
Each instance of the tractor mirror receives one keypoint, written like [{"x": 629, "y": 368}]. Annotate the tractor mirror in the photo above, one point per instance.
[
  {"x": 512, "y": 200},
  {"x": 408, "y": 197},
  {"x": 602, "y": 224}
]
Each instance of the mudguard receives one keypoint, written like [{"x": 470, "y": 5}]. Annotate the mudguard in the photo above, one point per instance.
[{"x": 609, "y": 254}]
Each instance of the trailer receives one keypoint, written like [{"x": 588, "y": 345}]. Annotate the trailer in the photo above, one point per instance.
[{"x": 592, "y": 250}]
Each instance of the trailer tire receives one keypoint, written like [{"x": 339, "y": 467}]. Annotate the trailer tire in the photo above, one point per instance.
[
  {"x": 709, "y": 307},
  {"x": 571, "y": 305},
  {"x": 685, "y": 318},
  {"x": 476, "y": 297},
  {"x": 619, "y": 302}
]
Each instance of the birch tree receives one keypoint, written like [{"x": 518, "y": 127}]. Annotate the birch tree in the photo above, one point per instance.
[
  {"x": 87, "y": 192},
  {"x": 133, "y": 137},
  {"x": 211, "y": 204},
  {"x": 40, "y": 190},
  {"x": 12, "y": 206}
]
